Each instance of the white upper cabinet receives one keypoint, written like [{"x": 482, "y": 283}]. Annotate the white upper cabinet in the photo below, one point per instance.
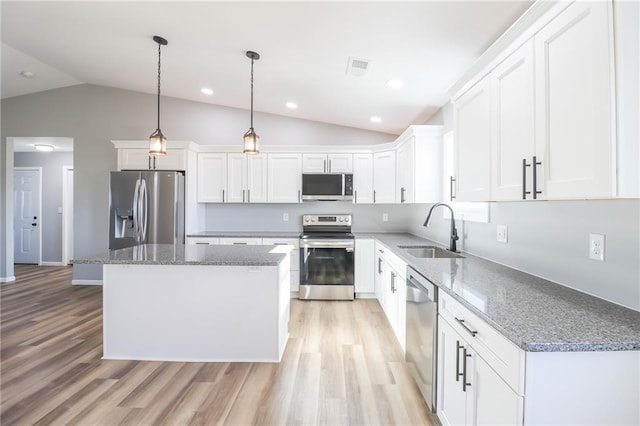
[
  {"x": 512, "y": 89},
  {"x": 472, "y": 151},
  {"x": 363, "y": 178},
  {"x": 384, "y": 173},
  {"x": 284, "y": 177},
  {"x": 212, "y": 177},
  {"x": 419, "y": 165},
  {"x": 246, "y": 178},
  {"x": 139, "y": 159},
  {"x": 574, "y": 103},
  {"x": 327, "y": 163}
]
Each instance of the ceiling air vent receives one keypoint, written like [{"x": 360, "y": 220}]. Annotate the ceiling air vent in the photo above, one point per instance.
[{"x": 357, "y": 67}]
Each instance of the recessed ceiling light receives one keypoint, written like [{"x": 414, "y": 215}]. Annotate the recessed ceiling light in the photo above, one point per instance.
[
  {"x": 376, "y": 119},
  {"x": 27, "y": 74},
  {"x": 206, "y": 91},
  {"x": 291, "y": 105},
  {"x": 43, "y": 147},
  {"x": 395, "y": 84}
]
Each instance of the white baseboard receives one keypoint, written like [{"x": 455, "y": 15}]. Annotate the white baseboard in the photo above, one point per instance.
[
  {"x": 366, "y": 296},
  {"x": 52, "y": 264},
  {"x": 86, "y": 282},
  {"x": 7, "y": 279}
]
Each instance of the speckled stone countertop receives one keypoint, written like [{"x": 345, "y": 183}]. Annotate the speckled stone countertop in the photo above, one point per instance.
[
  {"x": 179, "y": 254},
  {"x": 535, "y": 314},
  {"x": 242, "y": 234}
]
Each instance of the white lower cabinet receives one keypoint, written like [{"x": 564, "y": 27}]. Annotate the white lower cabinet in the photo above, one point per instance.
[
  {"x": 240, "y": 241},
  {"x": 391, "y": 290},
  {"x": 295, "y": 257},
  {"x": 203, "y": 240},
  {"x": 364, "y": 266}
]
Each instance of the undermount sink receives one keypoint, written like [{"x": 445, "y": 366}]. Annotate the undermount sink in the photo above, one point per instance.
[{"x": 431, "y": 252}]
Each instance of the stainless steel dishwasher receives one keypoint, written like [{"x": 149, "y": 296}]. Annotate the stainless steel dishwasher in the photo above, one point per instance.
[{"x": 422, "y": 312}]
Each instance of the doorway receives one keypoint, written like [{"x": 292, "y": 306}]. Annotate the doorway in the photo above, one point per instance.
[{"x": 27, "y": 215}]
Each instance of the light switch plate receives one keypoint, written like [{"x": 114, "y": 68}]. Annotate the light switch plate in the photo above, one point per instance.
[
  {"x": 385, "y": 217},
  {"x": 596, "y": 247},
  {"x": 502, "y": 234},
  {"x": 285, "y": 217}
]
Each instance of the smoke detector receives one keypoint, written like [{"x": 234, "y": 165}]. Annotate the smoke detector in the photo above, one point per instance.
[{"x": 357, "y": 67}]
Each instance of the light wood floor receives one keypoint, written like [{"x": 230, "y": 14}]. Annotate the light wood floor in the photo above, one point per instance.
[{"x": 342, "y": 365}]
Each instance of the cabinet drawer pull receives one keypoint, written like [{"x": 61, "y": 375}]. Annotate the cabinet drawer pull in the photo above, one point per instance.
[
  {"x": 248, "y": 195},
  {"x": 451, "y": 181},
  {"x": 374, "y": 197},
  {"x": 223, "y": 195},
  {"x": 464, "y": 369},
  {"x": 524, "y": 179},
  {"x": 461, "y": 322},
  {"x": 458, "y": 373},
  {"x": 535, "y": 165},
  {"x": 239, "y": 244},
  {"x": 280, "y": 244},
  {"x": 402, "y": 191},
  {"x": 379, "y": 265}
]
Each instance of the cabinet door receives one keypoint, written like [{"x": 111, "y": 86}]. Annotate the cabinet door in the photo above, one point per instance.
[
  {"x": 472, "y": 134},
  {"x": 512, "y": 107},
  {"x": 176, "y": 159},
  {"x": 340, "y": 163},
  {"x": 363, "y": 178},
  {"x": 452, "y": 400},
  {"x": 236, "y": 178},
  {"x": 364, "y": 266},
  {"x": 134, "y": 159},
  {"x": 381, "y": 276},
  {"x": 212, "y": 177},
  {"x": 405, "y": 172},
  {"x": 284, "y": 178},
  {"x": 573, "y": 102},
  {"x": 494, "y": 402},
  {"x": 211, "y": 241},
  {"x": 257, "y": 178},
  {"x": 384, "y": 177},
  {"x": 314, "y": 163}
]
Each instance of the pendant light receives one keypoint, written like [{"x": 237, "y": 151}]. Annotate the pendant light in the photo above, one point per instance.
[
  {"x": 157, "y": 141},
  {"x": 251, "y": 139}
]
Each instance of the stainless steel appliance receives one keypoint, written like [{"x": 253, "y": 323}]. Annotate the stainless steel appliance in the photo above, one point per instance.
[
  {"x": 422, "y": 312},
  {"x": 146, "y": 207},
  {"x": 327, "y": 249},
  {"x": 327, "y": 186}
]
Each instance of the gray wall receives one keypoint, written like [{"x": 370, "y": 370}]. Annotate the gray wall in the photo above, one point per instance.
[
  {"x": 95, "y": 115},
  {"x": 51, "y": 163}
]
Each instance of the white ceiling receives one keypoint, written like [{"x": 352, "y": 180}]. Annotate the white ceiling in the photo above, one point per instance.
[{"x": 304, "y": 48}]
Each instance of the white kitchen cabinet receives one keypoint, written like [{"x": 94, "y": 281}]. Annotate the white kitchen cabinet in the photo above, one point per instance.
[
  {"x": 452, "y": 399},
  {"x": 384, "y": 177},
  {"x": 574, "y": 104},
  {"x": 472, "y": 135},
  {"x": 284, "y": 177},
  {"x": 240, "y": 241},
  {"x": 391, "y": 290},
  {"x": 419, "y": 165},
  {"x": 139, "y": 159},
  {"x": 327, "y": 163},
  {"x": 512, "y": 90},
  {"x": 203, "y": 240},
  {"x": 295, "y": 258},
  {"x": 363, "y": 178},
  {"x": 212, "y": 177},
  {"x": 364, "y": 266},
  {"x": 246, "y": 178}
]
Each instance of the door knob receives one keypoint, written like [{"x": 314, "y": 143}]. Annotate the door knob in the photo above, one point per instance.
[
  {"x": 35, "y": 217},
  {"x": 34, "y": 224}
]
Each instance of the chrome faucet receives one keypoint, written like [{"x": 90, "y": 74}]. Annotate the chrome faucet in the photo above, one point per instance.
[{"x": 454, "y": 231}]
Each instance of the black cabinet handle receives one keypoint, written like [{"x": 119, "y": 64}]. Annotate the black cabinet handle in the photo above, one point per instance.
[
  {"x": 393, "y": 282},
  {"x": 379, "y": 265},
  {"x": 374, "y": 196},
  {"x": 461, "y": 322},
  {"x": 223, "y": 195},
  {"x": 451, "y": 181},
  {"x": 524, "y": 179},
  {"x": 458, "y": 347},
  {"x": 402, "y": 191},
  {"x": 464, "y": 370},
  {"x": 535, "y": 163}
]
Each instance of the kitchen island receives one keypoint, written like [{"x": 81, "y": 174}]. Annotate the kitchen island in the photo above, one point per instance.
[{"x": 198, "y": 303}]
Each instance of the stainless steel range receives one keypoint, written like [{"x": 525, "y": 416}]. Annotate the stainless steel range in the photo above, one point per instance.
[{"x": 327, "y": 249}]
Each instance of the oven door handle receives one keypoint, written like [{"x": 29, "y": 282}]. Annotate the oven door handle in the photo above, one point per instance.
[{"x": 347, "y": 244}]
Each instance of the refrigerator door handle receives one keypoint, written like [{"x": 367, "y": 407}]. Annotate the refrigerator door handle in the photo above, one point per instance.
[
  {"x": 136, "y": 219},
  {"x": 143, "y": 210}
]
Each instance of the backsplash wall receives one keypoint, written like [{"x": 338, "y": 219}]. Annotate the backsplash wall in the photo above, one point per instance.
[{"x": 550, "y": 239}]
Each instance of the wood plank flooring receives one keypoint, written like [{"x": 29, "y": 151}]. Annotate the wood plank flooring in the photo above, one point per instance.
[{"x": 342, "y": 366}]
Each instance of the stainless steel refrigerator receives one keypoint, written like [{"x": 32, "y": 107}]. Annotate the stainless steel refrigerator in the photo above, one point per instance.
[{"x": 146, "y": 207}]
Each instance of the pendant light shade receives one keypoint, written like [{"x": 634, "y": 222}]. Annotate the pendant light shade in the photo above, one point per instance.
[
  {"x": 157, "y": 141},
  {"x": 251, "y": 139}
]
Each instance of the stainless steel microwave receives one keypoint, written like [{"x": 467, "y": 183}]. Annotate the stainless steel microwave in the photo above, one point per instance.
[{"x": 327, "y": 186}]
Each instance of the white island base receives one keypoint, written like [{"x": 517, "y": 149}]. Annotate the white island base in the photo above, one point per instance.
[{"x": 200, "y": 313}]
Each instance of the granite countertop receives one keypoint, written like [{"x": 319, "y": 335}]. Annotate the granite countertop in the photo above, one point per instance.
[
  {"x": 244, "y": 234},
  {"x": 535, "y": 314},
  {"x": 179, "y": 254}
]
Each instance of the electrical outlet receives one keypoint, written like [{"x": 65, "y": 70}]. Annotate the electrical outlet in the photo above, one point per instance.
[
  {"x": 596, "y": 247},
  {"x": 285, "y": 217},
  {"x": 501, "y": 234},
  {"x": 385, "y": 217}
]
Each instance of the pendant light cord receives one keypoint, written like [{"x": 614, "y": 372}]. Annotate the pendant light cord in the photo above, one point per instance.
[
  {"x": 159, "y": 46},
  {"x": 251, "y": 93}
]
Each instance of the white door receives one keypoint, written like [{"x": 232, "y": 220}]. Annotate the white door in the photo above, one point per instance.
[
  {"x": 314, "y": 163},
  {"x": 384, "y": 177},
  {"x": 236, "y": 178},
  {"x": 494, "y": 402},
  {"x": 67, "y": 214},
  {"x": 340, "y": 163},
  {"x": 257, "y": 178},
  {"x": 362, "y": 178},
  {"x": 573, "y": 103},
  {"x": 404, "y": 172},
  {"x": 212, "y": 177},
  {"x": 27, "y": 195},
  {"x": 452, "y": 400},
  {"x": 285, "y": 177}
]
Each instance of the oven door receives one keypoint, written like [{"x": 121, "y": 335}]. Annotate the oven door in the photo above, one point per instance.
[{"x": 326, "y": 262}]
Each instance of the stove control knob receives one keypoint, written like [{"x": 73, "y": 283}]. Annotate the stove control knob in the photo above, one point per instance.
[
  {"x": 306, "y": 219},
  {"x": 348, "y": 219},
  {"x": 341, "y": 219},
  {"x": 313, "y": 219}
]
